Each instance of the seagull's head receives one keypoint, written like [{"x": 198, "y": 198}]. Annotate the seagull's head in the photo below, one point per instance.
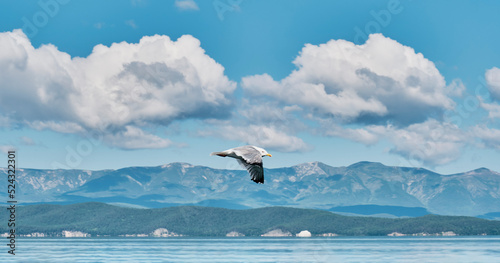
[{"x": 262, "y": 151}]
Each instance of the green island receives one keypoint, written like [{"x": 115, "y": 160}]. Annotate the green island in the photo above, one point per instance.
[{"x": 100, "y": 219}]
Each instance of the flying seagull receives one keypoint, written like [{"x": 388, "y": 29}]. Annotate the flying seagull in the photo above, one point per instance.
[{"x": 250, "y": 157}]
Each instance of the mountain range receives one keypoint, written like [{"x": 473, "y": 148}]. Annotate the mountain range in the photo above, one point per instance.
[{"x": 363, "y": 188}]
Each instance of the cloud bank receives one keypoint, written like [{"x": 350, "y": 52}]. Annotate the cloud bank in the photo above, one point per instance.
[{"x": 381, "y": 90}]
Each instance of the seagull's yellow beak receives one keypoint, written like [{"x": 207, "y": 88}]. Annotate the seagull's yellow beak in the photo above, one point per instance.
[{"x": 269, "y": 155}]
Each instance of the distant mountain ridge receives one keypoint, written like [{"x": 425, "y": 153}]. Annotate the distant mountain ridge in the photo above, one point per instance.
[{"x": 309, "y": 185}]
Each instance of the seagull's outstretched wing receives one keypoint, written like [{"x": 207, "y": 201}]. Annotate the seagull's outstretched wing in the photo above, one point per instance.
[
  {"x": 256, "y": 171},
  {"x": 249, "y": 154}
]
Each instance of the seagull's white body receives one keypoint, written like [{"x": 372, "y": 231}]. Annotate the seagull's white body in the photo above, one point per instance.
[{"x": 250, "y": 157}]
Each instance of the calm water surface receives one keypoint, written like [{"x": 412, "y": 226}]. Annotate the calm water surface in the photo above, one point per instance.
[{"x": 335, "y": 249}]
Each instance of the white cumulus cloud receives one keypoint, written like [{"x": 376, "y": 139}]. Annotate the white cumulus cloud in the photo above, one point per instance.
[
  {"x": 431, "y": 143},
  {"x": 492, "y": 77},
  {"x": 155, "y": 81},
  {"x": 381, "y": 80}
]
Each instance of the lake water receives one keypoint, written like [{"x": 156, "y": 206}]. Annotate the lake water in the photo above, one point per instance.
[{"x": 247, "y": 249}]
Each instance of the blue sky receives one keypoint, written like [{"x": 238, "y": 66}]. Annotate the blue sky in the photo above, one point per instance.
[{"x": 295, "y": 77}]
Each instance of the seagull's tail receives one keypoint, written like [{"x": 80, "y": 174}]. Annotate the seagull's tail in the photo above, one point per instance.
[{"x": 223, "y": 154}]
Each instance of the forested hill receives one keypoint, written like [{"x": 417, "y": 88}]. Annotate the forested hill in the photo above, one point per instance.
[
  {"x": 103, "y": 219},
  {"x": 309, "y": 185}
]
